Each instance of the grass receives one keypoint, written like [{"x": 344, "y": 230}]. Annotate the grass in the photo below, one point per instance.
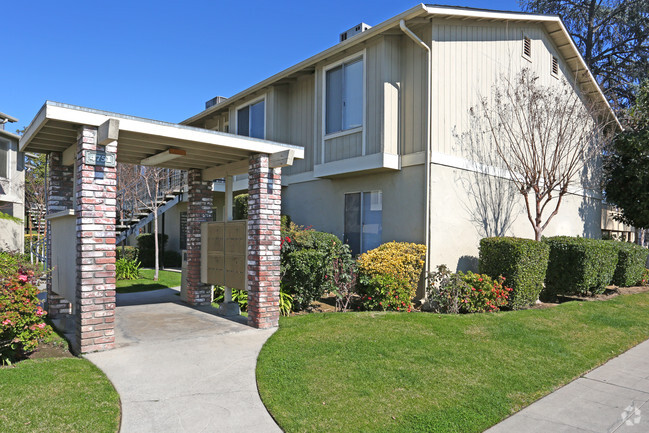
[
  {"x": 399, "y": 372},
  {"x": 57, "y": 395},
  {"x": 145, "y": 282}
]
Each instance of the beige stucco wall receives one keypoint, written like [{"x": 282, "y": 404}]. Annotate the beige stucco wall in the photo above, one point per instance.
[
  {"x": 455, "y": 238},
  {"x": 321, "y": 203}
]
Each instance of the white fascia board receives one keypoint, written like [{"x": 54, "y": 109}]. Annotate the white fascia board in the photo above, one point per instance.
[
  {"x": 82, "y": 116},
  {"x": 487, "y": 14},
  {"x": 33, "y": 128},
  {"x": 358, "y": 164}
]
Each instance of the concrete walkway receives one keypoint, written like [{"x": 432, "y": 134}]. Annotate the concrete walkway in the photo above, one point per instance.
[
  {"x": 611, "y": 398},
  {"x": 179, "y": 369}
]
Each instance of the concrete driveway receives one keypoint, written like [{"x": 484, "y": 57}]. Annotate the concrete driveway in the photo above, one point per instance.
[{"x": 180, "y": 369}]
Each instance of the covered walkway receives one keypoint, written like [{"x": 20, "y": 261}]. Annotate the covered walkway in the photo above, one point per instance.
[{"x": 180, "y": 369}]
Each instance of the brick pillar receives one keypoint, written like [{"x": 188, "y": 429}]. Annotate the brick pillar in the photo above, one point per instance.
[
  {"x": 199, "y": 210},
  {"x": 59, "y": 198},
  {"x": 95, "y": 206},
  {"x": 264, "y": 207}
]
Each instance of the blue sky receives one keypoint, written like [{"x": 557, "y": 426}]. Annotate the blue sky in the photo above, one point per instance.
[{"x": 163, "y": 59}]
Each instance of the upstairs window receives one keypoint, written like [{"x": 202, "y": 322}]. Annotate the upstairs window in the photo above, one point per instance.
[
  {"x": 344, "y": 97},
  {"x": 250, "y": 120},
  {"x": 4, "y": 158}
]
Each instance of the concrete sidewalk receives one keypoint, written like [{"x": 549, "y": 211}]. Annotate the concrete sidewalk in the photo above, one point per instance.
[
  {"x": 179, "y": 369},
  {"x": 611, "y": 398}
]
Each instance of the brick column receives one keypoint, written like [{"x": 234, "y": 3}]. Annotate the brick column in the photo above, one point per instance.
[
  {"x": 95, "y": 206},
  {"x": 199, "y": 210},
  {"x": 59, "y": 198},
  {"x": 264, "y": 207}
]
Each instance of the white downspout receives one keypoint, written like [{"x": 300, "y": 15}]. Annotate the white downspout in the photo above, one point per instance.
[{"x": 429, "y": 105}]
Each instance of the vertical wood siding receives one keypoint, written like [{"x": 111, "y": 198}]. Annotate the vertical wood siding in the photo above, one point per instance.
[{"x": 469, "y": 59}]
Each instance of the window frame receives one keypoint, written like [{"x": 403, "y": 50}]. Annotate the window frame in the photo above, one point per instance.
[
  {"x": 362, "y": 192},
  {"x": 248, "y": 104},
  {"x": 359, "y": 55},
  {"x": 6, "y": 146}
]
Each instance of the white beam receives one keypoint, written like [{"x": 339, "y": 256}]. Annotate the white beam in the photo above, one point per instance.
[
  {"x": 221, "y": 171},
  {"x": 69, "y": 155},
  {"x": 165, "y": 156},
  {"x": 108, "y": 132},
  {"x": 282, "y": 159}
]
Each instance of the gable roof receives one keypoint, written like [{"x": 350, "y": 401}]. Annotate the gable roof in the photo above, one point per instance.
[{"x": 552, "y": 23}]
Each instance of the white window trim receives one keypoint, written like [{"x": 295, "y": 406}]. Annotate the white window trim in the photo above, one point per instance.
[
  {"x": 523, "y": 55},
  {"x": 8, "y": 146},
  {"x": 360, "y": 54},
  {"x": 246, "y": 104}
]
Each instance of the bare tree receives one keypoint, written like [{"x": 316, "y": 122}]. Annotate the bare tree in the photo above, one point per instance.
[
  {"x": 146, "y": 188},
  {"x": 491, "y": 196},
  {"x": 546, "y": 137}
]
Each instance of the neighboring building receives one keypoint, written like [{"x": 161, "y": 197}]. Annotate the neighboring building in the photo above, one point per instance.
[
  {"x": 360, "y": 111},
  {"x": 12, "y": 183}
]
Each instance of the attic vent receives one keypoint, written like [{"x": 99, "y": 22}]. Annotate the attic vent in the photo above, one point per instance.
[
  {"x": 216, "y": 100},
  {"x": 555, "y": 66},
  {"x": 360, "y": 28},
  {"x": 527, "y": 47}
]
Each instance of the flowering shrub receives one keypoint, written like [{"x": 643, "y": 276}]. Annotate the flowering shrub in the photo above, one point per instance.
[
  {"x": 385, "y": 292},
  {"x": 343, "y": 280},
  {"x": 21, "y": 317},
  {"x": 645, "y": 278},
  {"x": 397, "y": 264},
  {"x": 466, "y": 293}
]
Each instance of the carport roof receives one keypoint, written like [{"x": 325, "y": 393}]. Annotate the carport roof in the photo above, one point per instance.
[{"x": 55, "y": 127}]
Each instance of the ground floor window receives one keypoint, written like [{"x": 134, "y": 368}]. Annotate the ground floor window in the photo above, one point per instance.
[{"x": 363, "y": 220}]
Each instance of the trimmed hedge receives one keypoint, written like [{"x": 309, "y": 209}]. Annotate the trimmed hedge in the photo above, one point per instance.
[
  {"x": 146, "y": 247},
  {"x": 630, "y": 265},
  {"x": 523, "y": 263},
  {"x": 579, "y": 266}
]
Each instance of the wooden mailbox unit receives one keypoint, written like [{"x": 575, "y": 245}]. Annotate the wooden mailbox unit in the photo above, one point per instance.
[{"x": 224, "y": 254}]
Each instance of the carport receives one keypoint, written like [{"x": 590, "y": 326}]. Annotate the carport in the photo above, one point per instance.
[{"x": 83, "y": 147}]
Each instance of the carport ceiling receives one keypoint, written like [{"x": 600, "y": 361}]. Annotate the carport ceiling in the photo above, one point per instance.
[{"x": 55, "y": 127}]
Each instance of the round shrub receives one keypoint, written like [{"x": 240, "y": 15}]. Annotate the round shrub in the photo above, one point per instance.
[
  {"x": 126, "y": 252},
  {"x": 523, "y": 263},
  {"x": 401, "y": 260},
  {"x": 630, "y": 265},
  {"x": 579, "y": 266},
  {"x": 385, "y": 292}
]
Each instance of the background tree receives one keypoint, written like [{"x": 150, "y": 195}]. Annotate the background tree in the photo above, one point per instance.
[
  {"x": 613, "y": 38},
  {"x": 627, "y": 166},
  {"x": 146, "y": 188},
  {"x": 547, "y": 138},
  {"x": 36, "y": 196}
]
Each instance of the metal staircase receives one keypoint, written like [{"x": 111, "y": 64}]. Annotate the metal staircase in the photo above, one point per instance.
[{"x": 134, "y": 213}]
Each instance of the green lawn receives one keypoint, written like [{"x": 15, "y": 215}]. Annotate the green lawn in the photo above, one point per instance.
[
  {"x": 57, "y": 395},
  {"x": 145, "y": 282},
  {"x": 399, "y": 372}
]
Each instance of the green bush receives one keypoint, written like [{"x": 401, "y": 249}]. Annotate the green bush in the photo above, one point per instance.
[
  {"x": 146, "y": 247},
  {"x": 126, "y": 252},
  {"x": 172, "y": 259},
  {"x": 385, "y": 293},
  {"x": 126, "y": 269},
  {"x": 402, "y": 261},
  {"x": 630, "y": 265},
  {"x": 466, "y": 293},
  {"x": 579, "y": 266},
  {"x": 307, "y": 263},
  {"x": 12, "y": 263},
  {"x": 21, "y": 317},
  {"x": 523, "y": 263},
  {"x": 240, "y": 211}
]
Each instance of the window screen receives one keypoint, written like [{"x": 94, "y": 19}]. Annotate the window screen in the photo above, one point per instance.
[
  {"x": 4, "y": 159},
  {"x": 344, "y": 97}
]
